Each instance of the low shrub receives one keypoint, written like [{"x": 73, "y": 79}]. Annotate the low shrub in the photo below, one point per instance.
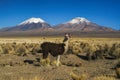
[
  {"x": 36, "y": 49},
  {"x": 21, "y": 50}
]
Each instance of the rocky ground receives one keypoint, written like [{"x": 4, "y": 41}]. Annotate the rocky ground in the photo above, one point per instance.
[{"x": 13, "y": 67}]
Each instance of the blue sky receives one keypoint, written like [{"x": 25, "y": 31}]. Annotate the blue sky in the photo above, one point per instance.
[{"x": 102, "y": 12}]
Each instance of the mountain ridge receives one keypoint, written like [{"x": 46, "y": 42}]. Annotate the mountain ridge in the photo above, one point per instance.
[
  {"x": 76, "y": 24},
  {"x": 82, "y": 24}
]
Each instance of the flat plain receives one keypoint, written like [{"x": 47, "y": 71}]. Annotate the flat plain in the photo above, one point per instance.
[{"x": 20, "y": 59}]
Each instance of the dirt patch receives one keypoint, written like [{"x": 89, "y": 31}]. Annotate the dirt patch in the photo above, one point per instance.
[{"x": 12, "y": 67}]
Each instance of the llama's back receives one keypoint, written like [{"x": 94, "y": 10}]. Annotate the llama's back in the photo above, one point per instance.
[{"x": 53, "y": 48}]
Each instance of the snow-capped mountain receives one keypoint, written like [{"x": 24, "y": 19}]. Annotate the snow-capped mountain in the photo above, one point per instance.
[
  {"x": 30, "y": 24},
  {"x": 78, "y": 20},
  {"x": 81, "y": 24},
  {"x": 32, "y": 20}
]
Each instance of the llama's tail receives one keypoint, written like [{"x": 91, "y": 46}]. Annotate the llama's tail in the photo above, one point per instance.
[{"x": 40, "y": 51}]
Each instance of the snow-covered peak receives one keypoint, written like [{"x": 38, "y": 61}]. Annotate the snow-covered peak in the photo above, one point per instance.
[
  {"x": 78, "y": 20},
  {"x": 32, "y": 20}
]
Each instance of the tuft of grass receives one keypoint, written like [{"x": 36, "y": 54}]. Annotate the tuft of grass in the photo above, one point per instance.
[
  {"x": 21, "y": 50},
  {"x": 116, "y": 53},
  {"x": 36, "y": 49},
  {"x": 45, "y": 62},
  {"x": 118, "y": 72},
  {"x": 78, "y": 77},
  {"x": 54, "y": 63},
  {"x": 8, "y": 49},
  {"x": 1, "y": 50},
  {"x": 35, "y": 78},
  {"x": 90, "y": 50},
  {"x": 117, "y": 64},
  {"x": 104, "y": 78}
]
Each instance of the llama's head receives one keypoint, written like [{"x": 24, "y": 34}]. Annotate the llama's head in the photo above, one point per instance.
[{"x": 66, "y": 38}]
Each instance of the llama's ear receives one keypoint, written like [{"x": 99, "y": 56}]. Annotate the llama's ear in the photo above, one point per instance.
[
  {"x": 69, "y": 34},
  {"x": 65, "y": 34}
]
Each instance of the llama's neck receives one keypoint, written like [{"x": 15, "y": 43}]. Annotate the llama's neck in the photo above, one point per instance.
[
  {"x": 66, "y": 43},
  {"x": 66, "y": 46}
]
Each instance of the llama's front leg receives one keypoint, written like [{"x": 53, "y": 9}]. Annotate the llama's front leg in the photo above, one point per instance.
[{"x": 58, "y": 60}]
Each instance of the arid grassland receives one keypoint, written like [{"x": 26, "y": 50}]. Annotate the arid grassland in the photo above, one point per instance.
[{"x": 86, "y": 59}]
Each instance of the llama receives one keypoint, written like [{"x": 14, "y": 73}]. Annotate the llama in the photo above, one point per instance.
[{"x": 55, "y": 49}]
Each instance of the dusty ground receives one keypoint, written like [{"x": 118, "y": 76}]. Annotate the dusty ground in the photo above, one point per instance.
[{"x": 13, "y": 67}]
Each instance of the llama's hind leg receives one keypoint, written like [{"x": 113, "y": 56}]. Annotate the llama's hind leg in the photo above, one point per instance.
[
  {"x": 45, "y": 60},
  {"x": 58, "y": 60},
  {"x": 45, "y": 55}
]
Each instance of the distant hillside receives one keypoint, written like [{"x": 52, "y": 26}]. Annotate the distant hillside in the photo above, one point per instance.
[{"x": 58, "y": 34}]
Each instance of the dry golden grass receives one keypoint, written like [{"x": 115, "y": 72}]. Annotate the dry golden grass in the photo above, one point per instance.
[
  {"x": 35, "y": 78},
  {"x": 118, "y": 72},
  {"x": 78, "y": 77},
  {"x": 89, "y": 46},
  {"x": 104, "y": 78}
]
